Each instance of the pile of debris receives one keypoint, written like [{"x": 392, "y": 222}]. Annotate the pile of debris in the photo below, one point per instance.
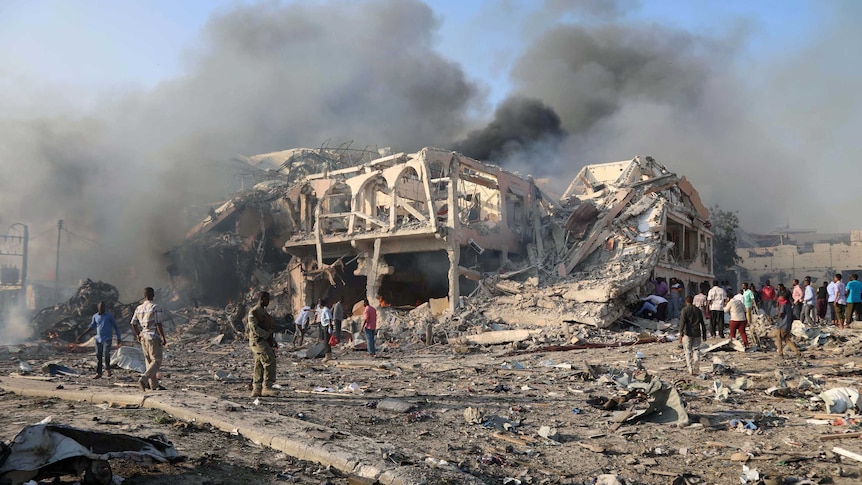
[
  {"x": 330, "y": 222},
  {"x": 68, "y": 320}
]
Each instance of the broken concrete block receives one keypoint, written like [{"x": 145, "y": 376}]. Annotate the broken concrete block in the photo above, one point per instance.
[
  {"x": 500, "y": 337},
  {"x": 438, "y": 305},
  {"x": 548, "y": 432},
  {"x": 473, "y": 415},
  {"x": 313, "y": 352}
]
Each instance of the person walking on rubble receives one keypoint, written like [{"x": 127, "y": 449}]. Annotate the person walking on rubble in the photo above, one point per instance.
[
  {"x": 302, "y": 324},
  {"x": 785, "y": 323},
  {"x": 369, "y": 325},
  {"x": 261, "y": 327},
  {"x": 716, "y": 298},
  {"x": 105, "y": 324},
  {"x": 739, "y": 314},
  {"x": 854, "y": 299},
  {"x": 151, "y": 335},
  {"x": 326, "y": 327},
  {"x": 692, "y": 329}
]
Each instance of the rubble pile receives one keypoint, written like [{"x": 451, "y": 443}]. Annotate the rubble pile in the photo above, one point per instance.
[{"x": 69, "y": 319}]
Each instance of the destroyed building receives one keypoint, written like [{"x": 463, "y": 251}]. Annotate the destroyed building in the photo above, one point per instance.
[{"x": 404, "y": 229}]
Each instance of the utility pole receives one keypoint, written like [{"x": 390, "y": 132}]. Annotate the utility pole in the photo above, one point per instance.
[
  {"x": 23, "y": 297},
  {"x": 57, "y": 267}
]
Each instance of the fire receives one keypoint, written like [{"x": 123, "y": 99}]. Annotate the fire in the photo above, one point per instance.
[{"x": 382, "y": 302}]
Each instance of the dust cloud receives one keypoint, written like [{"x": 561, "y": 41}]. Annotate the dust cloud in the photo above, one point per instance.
[{"x": 589, "y": 84}]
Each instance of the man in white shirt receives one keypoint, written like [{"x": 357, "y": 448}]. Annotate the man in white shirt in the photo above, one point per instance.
[
  {"x": 809, "y": 300},
  {"x": 716, "y": 298},
  {"x": 830, "y": 301}
]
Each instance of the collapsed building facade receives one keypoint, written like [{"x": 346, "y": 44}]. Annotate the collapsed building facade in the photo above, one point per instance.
[{"x": 404, "y": 229}]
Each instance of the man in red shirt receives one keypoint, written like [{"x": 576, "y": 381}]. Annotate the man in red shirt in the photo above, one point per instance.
[
  {"x": 369, "y": 324},
  {"x": 767, "y": 298}
]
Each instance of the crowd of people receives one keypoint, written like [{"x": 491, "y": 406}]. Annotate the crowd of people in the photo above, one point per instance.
[{"x": 833, "y": 302}]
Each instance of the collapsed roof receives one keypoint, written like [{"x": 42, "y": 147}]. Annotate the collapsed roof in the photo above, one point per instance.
[{"x": 404, "y": 228}]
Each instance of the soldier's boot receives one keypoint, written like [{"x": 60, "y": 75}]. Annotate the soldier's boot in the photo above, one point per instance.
[
  {"x": 256, "y": 392},
  {"x": 269, "y": 392}
]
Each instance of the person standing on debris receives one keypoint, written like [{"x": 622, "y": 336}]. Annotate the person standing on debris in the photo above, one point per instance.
[
  {"x": 739, "y": 315},
  {"x": 748, "y": 301},
  {"x": 716, "y": 298},
  {"x": 326, "y": 327},
  {"x": 830, "y": 301},
  {"x": 840, "y": 300},
  {"x": 854, "y": 299},
  {"x": 783, "y": 292},
  {"x": 152, "y": 337},
  {"x": 692, "y": 329},
  {"x": 809, "y": 300},
  {"x": 105, "y": 324},
  {"x": 822, "y": 299},
  {"x": 785, "y": 324},
  {"x": 661, "y": 288},
  {"x": 302, "y": 324},
  {"x": 338, "y": 316},
  {"x": 767, "y": 297},
  {"x": 702, "y": 302},
  {"x": 261, "y": 326},
  {"x": 369, "y": 325},
  {"x": 676, "y": 298},
  {"x": 798, "y": 295}
]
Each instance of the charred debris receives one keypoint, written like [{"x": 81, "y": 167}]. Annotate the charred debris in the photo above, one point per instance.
[{"x": 446, "y": 237}]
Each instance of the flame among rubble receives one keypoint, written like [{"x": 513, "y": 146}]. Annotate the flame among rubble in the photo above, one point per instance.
[{"x": 402, "y": 229}]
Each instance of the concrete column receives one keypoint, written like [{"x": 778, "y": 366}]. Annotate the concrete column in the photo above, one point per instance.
[
  {"x": 373, "y": 276},
  {"x": 454, "y": 254}
]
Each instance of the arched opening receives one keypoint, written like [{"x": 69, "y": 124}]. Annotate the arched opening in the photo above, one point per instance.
[{"x": 411, "y": 201}]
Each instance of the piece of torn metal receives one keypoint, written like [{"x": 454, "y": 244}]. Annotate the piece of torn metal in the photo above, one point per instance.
[
  {"x": 665, "y": 404},
  {"x": 49, "y": 450}
]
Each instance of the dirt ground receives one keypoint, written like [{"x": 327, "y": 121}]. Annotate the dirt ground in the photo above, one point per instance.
[{"x": 516, "y": 393}]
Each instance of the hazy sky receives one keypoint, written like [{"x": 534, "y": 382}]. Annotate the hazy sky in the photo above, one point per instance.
[{"x": 113, "y": 114}]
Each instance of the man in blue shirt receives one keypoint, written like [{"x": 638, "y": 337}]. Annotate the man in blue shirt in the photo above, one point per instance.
[
  {"x": 105, "y": 325},
  {"x": 854, "y": 298}
]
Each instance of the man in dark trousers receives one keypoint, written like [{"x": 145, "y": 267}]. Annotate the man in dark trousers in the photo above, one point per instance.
[
  {"x": 105, "y": 324},
  {"x": 692, "y": 329},
  {"x": 785, "y": 323},
  {"x": 260, "y": 328}
]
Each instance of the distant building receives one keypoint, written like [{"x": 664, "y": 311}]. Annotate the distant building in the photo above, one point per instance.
[{"x": 802, "y": 254}]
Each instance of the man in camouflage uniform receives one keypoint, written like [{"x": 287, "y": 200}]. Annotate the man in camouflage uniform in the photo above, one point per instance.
[{"x": 260, "y": 336}]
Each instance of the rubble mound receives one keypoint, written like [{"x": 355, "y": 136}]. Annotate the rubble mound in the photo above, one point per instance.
[{"x": 67, "y": 319}]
